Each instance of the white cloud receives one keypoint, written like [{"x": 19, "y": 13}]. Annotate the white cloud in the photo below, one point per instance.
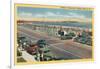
[
  {"x": 38, "y": 15},
  {"x": 80, "y": 16},
  {"x": 53, "y": 15},
  {"x": 25, "y": 14},
  {"x": 76, "y": 15}
]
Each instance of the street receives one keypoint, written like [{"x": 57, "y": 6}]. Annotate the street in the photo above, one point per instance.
[{"x": 62, "y": 49}]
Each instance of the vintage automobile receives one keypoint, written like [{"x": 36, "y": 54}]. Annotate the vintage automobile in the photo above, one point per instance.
[
  {"x": 67, "y": 36},
  {"x": 41, "y": 43},
  {"x": 32, "y": 49},
  {"x": 84, "y": 38},
  {"x": 44, "y": 50},
  {"x": 21, "y": 39}
]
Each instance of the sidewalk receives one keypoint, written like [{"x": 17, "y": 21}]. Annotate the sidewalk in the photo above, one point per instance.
[{"x": 28, "y": 57}]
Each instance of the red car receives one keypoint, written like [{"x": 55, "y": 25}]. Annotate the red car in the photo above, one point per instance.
[{"x": 32, "y": 49}]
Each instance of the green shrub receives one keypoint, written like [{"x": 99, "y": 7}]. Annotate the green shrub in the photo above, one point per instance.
[
  {"x": 19, "y": 53},
  {"x": 21, "y": 60}
]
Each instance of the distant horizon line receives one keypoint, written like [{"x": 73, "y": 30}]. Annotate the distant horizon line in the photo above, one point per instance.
[{"x": 54, "y": 20}]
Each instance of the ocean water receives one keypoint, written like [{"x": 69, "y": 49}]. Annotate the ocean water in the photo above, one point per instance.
[{"x": 68, "y": 24}]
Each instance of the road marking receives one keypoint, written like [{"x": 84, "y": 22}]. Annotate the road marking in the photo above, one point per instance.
[
  {"x": 56, "y": 44},
  {"x": 64, "y": 50},
  {"x": 29, "y": 35}
]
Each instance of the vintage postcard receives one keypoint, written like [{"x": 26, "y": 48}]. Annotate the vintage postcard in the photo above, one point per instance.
[{"x": 50, "y": 34}]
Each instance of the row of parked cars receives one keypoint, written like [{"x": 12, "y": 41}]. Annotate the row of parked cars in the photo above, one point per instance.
[
  {"x": 40, "y": 49},
  {"x": 84, "y": 38}
]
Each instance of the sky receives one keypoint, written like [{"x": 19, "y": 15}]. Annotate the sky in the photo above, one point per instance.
[{"x": 53, "y": 13}]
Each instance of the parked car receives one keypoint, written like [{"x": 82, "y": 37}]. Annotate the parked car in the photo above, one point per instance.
[
  {"x": 84, "y": 38},
  {"x": 32, "y": 49},
  {"x": 44, "y": 50},
  {"x": 68, "y": 36}
]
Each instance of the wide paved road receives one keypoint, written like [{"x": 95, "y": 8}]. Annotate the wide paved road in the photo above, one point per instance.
[{"x": 66, "y": 49}]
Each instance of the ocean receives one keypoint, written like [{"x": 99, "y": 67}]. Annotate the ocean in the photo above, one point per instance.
[{"x": 68, "y": 24}]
